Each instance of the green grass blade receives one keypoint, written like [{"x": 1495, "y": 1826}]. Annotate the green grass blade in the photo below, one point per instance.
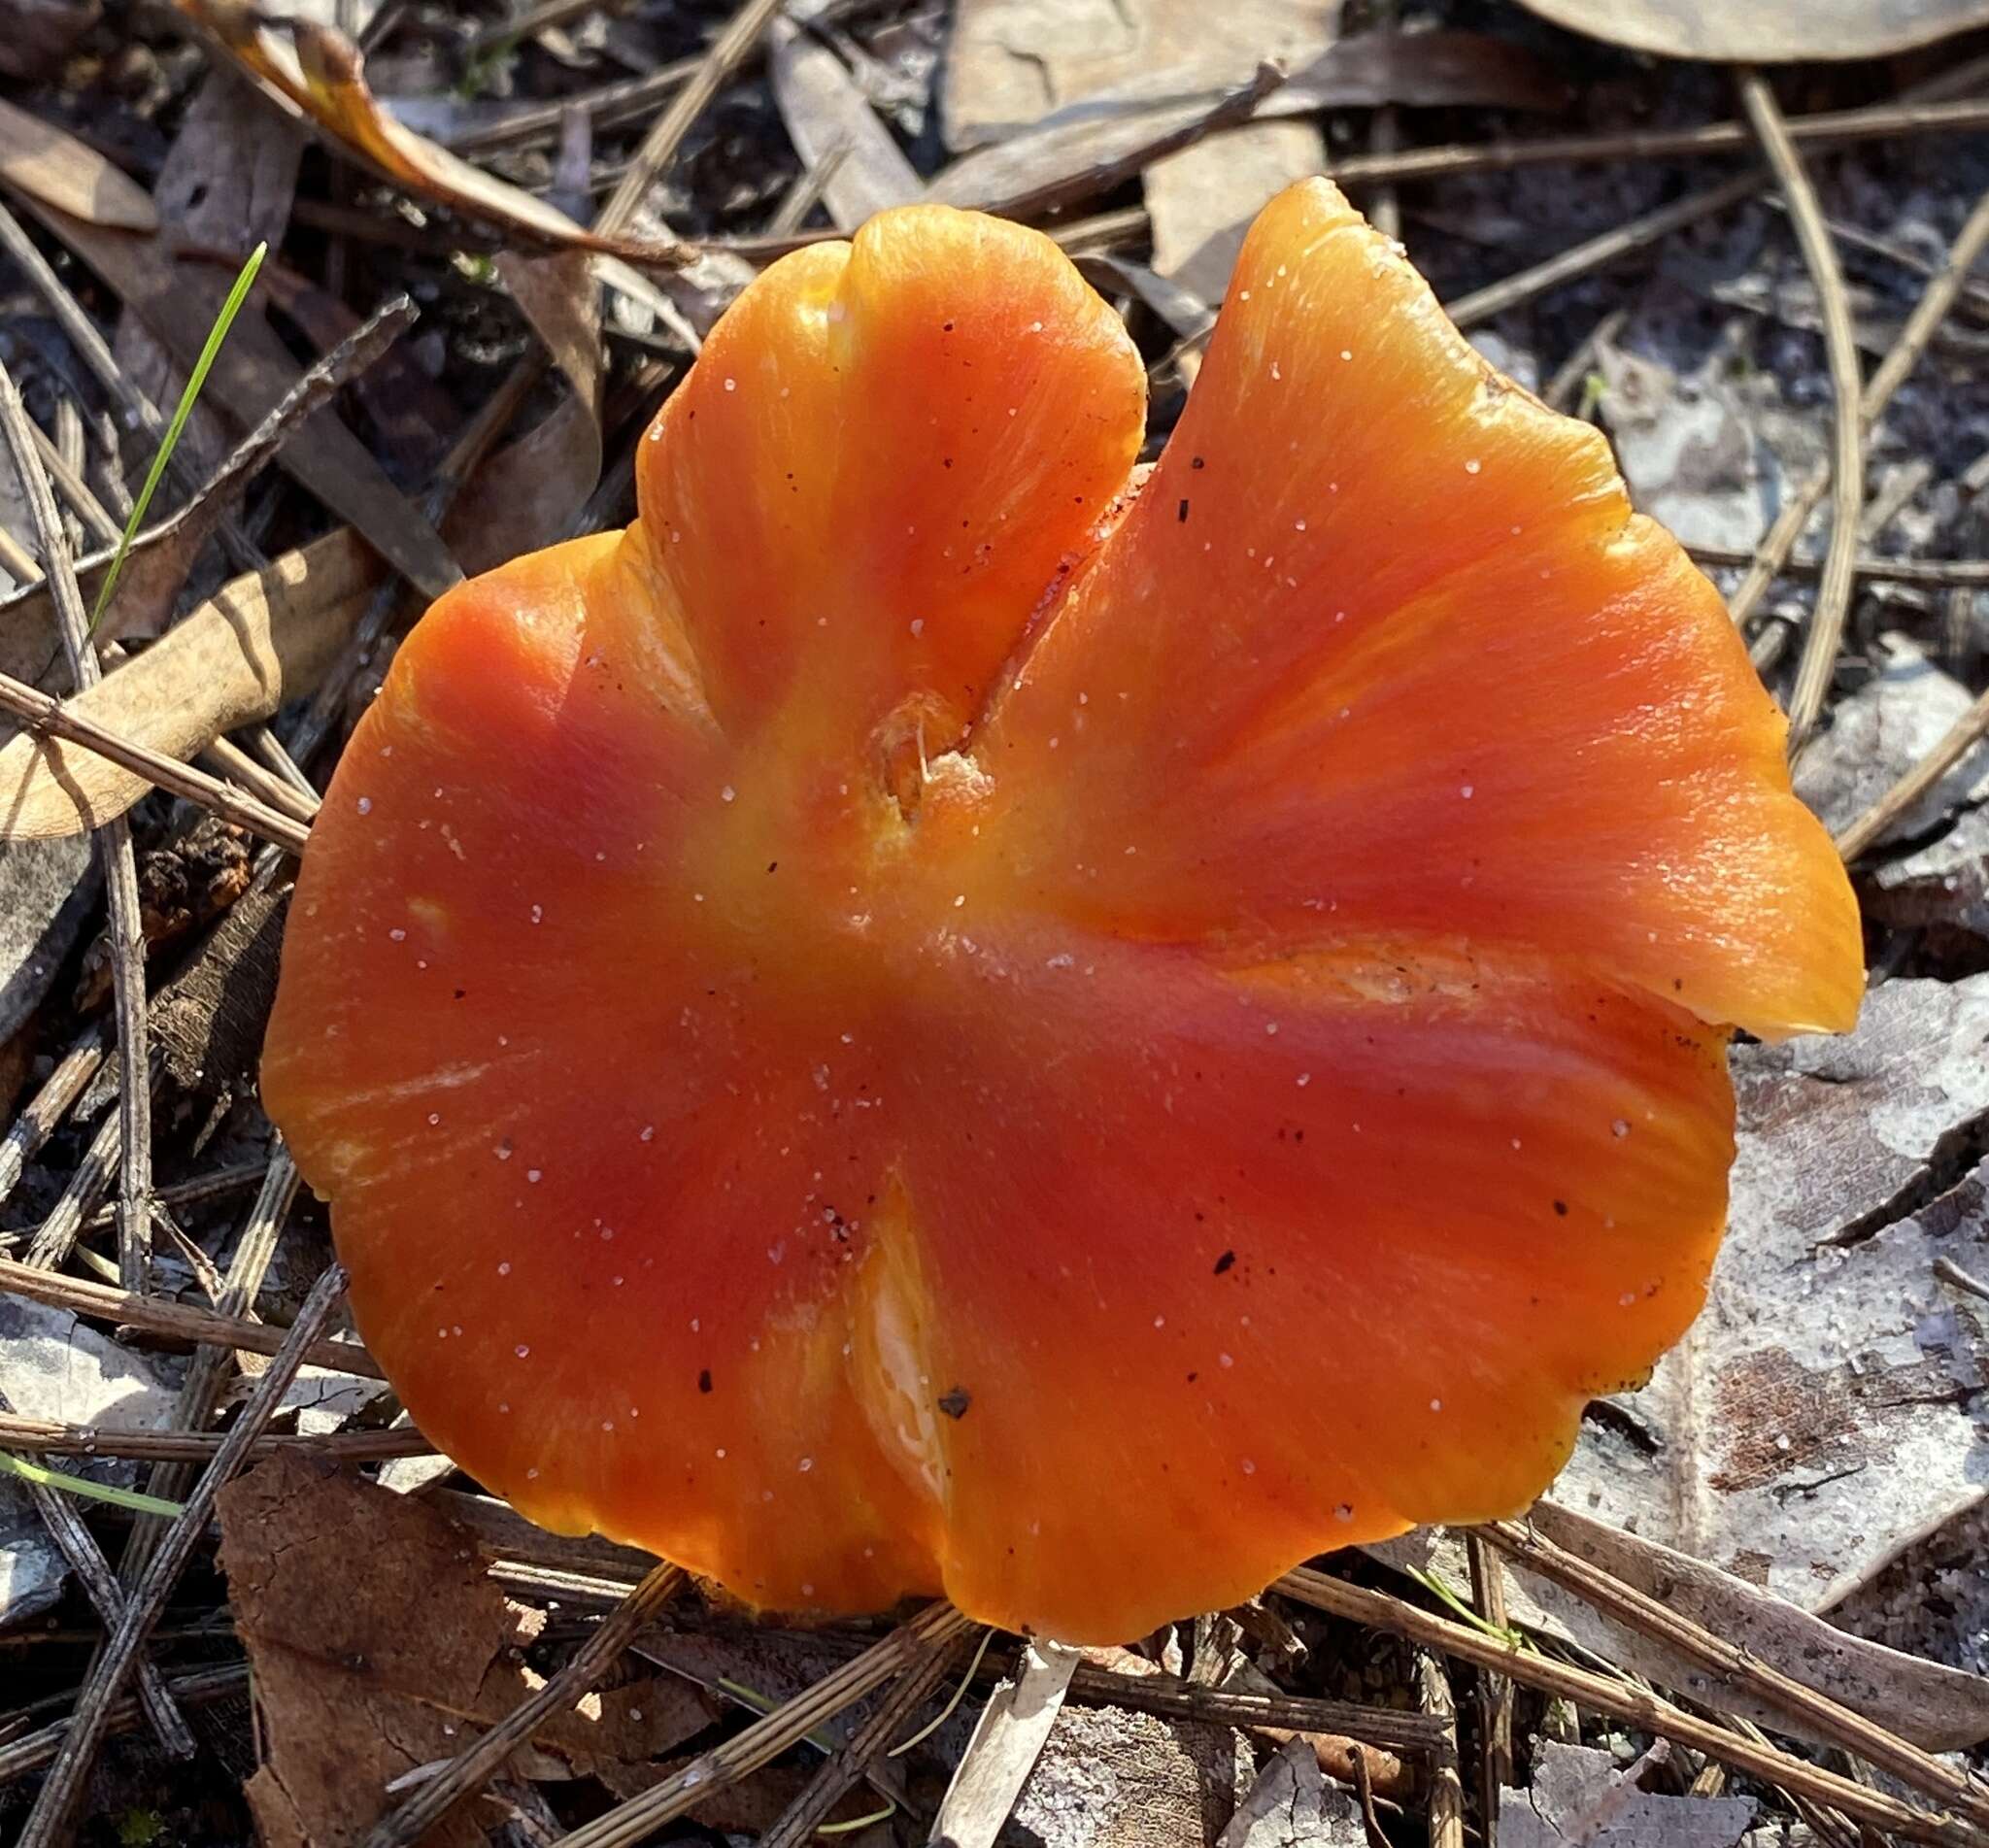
[
  {"x": 82, "y": 1485},
  {"x": 195, "y": 379}
]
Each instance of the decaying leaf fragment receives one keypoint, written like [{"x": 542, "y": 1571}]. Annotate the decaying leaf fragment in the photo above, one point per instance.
[
  {"x": 364, "y": 1674},
  {"x": 1823, "y": 1412},
  {"x": 1579, "y": 1798}
]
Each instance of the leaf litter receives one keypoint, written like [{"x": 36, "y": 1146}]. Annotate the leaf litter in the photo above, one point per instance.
[{"x": 1803, "y": 1477}]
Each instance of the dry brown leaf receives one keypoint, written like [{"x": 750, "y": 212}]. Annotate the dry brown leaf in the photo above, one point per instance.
[
  {"x": 1201, "y": 200},
  {"x": 826, "y": 114},
  {"x": 261, "y": 639},
  {"x": 1013, "y": 63},
  {"x": 323, "y": 78},
  {"x": 44, "y": 163},
  {"x": 1767, "y": 31},
  {"x": 1102, "y": 129},
  {"x": 378, "y": 1644},
  {"x": 546, "y": 477},
  {"x": 226, "y": 186}
]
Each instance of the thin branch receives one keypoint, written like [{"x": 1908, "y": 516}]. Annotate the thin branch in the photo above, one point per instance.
[
  {"x": 1855, "y": 839},
  {"x": 78, "y": 1546},
  {"x": 49, "y": 1823},
  {"x": 474, "y": 1767},
  {"x": 1598, "y": 253},
  {"x": 1829, "y": 128},
  {"x": 32, "y": 1749},
  {"x": 1388, "y": 1729},
  {"x": 1820, "y": 1716},
  {"x": 855, "y": 1759},
  {"x": 1641, "y": 1708},
  {"x": 174, "y": 1321},
  {"x": 1937, "y": 301},
  {"x": 1446, "y": 1778},
  {"x": 1819, "y": 657},
  {"x": 765, "y": 1739},
  {"x": 125, "y": 922},
  {"x": 1494, "y": 1691},
  {"x": 727, "y": 52},
  {"x": 47, "y": 716},
  {"x": 95, "y": 352},
  {"x": 1934, "y": 573},
  {"x": 51, "y": 1436},
  {"x": 207, "y": 1377},
  {"x": 46, "y": 1110}
]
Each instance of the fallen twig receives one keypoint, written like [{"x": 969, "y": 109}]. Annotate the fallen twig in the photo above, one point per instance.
[
  {"x": 474, "y": 1767},
  {"x": 174, "y": 1321},
  {"x": 1796, "y": 1775},
  {"x": 765, "y": 1739},
  {"x": 48, "y": 1822},
  {"x": 1818, "y": 662},
  {"x": 126, "y": 923}
]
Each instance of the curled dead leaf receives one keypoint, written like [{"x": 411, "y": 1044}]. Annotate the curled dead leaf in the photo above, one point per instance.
[{"x": 322, "y": 75}]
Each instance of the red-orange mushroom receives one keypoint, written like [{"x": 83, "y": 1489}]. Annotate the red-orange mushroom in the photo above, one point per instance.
[{"x": 920, "y": 1020}]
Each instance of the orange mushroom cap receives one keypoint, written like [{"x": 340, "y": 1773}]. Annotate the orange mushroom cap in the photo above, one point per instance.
[{"x": 920, "y": 1021}]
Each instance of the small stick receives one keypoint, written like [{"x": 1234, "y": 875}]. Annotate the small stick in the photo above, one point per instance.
[
  {"x": 1935, "y": 302},
  {"x": 192, "y": 1193},
  {"x": 1446, "y": 1779},
  {"x": 1493, "y": 1692},
  {"x": 200, "y": 1393},
  {"x": 804, "y": 195},
  {"x": 46, "y": 1110},
  {"x": 1378, "y": 1611},
  {"x": 267, "y": 785},
  {"x": 1950, "y": 1273},
  {"x": 765, "y": 1739},
  {"x": 1596, "y": 252},
  {"x": 49, "y": 1436},
  {"x": 1364, "y": 1790},
  {"x": 1854, "y": 839},
  {"x": 47, "y": 716},
  {"x": 174, "y": 1321},
  {"x": 95, "y": 354},
  {"x": 32, "y": 1749},
  {"x": 1387, "y": 1729},
  {"x": 1819, "y": 657},
  {"x": 727, "y": 52},
  {"x": 1936, "y": 573},
  {"x": 125, "y": 922},
  {"x": 78, "y": 1545},
  {"x": 852, "y": 1762},
  {"x": 1820, "y": 1715},
  {"x": 476, "y": 1765},
  {"x": 56, "y": 1236},
  {"x": 49, "y": 1823},
  {"x": 1827, "y": 128}
]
